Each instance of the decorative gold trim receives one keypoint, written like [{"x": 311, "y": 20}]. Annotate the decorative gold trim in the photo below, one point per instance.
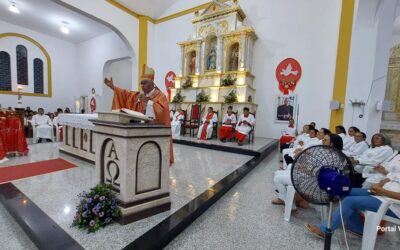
[
  {"x": 222, "y": 12},
  {"x": 182, "y": 13},
  {"x": 49, "y": 82}
]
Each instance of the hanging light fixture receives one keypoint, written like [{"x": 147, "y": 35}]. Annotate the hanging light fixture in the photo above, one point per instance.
[
  {"x": 13, "y": 8},
  {"x": 64, "y": 28}
]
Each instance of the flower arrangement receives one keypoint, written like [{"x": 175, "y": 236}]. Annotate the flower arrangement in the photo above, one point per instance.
[
  {"x": 178, "y": 98},
  {"x": 96, "y": 209},
  {"x": 228, "y": 81},
  {"x": 231, "y": 97},
  {"x": 187, "y": 83},
  {"x": 202, "y": 97}
]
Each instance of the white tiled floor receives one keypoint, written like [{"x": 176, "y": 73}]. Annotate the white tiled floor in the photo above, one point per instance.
[
  {"x": 245, "y": 219},
  {"x": 56, "y": 193}
]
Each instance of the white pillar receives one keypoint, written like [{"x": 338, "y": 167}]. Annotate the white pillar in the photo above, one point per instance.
[
  {"x": 219, "y": 54},
  {"x": 198, "y": 58},
  {"x": 203, "y": 56},
  {"x": 242, "y": 64},
  {"x": 181, "y": 62}
]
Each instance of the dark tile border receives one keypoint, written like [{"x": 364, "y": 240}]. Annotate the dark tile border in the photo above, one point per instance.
[
  {"x": 223, "y": 148},
  {"x": 164, "y": 232},
  {"x": 40, "y": 228}
]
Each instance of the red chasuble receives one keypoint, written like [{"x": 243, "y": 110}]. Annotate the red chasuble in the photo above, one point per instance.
[{"x": 205, "y": 126}]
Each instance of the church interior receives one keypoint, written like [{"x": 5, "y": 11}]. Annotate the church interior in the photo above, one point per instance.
[{"x": 222, "y": 124}]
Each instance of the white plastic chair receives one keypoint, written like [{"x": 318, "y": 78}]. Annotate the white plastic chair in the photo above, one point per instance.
[
  {"x": 290, "y": 192},
  {"x": 372, "y": 221}
]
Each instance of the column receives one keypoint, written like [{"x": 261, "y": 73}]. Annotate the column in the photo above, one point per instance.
[
  {"x": 203, "y": 56},
  {"x": 219, "y": 54},
  {"x": 242, "y": 63},
  {"x": 181, "y": 62},
  {"x": 198, "y": 58}
]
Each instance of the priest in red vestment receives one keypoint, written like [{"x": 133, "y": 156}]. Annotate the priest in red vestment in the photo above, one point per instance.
[{"x": 150, "y": 101}]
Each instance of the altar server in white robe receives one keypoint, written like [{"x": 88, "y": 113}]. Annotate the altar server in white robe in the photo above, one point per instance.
[
  {"x": 380, "y": 172},
  {"x": 176, "y": 123},
  {"x": 42, "y": 126},
  {"x": 205, "y": 130},
  {"x": 378, "y": 153},
  {"x": 359, "y": 147},
  {"x": 227, "y": 127},
  {"x": 244, "y": 126}
]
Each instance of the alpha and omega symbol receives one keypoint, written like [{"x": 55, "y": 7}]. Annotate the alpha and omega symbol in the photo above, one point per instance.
[{"x": 111, "y": 168}]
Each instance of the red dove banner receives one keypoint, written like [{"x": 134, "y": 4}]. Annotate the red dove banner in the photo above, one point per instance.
[{"x": 288, "y": 73}]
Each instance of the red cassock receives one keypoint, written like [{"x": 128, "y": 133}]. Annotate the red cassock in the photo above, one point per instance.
[{"x": 12, "y": 136}]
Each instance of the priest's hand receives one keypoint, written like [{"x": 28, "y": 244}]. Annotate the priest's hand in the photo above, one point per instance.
[
  {"x": 143, "y": 98},
  {"x": 109, "y": 83}
]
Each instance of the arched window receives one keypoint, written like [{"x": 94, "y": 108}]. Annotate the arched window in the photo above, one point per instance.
[
  {"x": 5, "y": 71},
  {"x": 22, "y": 65},
  {"x": 38, "y": 76}
]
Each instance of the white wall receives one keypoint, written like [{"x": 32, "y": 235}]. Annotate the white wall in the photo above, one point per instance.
[
  {"x": 125, "y": 25},
  {"x": 369, "y": 58},
  {"x": 93, "y": 55},
  {"x": 313, "y": 42},
  {"x": 64, "y": 77}
]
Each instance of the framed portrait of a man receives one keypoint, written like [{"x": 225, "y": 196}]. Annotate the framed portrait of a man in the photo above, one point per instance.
[{"x": 285, "y": 107}]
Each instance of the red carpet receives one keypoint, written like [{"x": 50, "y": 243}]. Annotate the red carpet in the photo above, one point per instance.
[{"x": 16, "y": 172}]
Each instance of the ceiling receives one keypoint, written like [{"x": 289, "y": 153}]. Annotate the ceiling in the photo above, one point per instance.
[
  {"x": 152, "y": 8},
  {"x": 46, "y": 17}
]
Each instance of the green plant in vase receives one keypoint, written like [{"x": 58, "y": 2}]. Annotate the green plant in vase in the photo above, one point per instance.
[
  {"x": 178, "y": 98},
  {"x": 228, "y": 81},
  {"x": 231, "y": 97},
  {"x": 188, "y": 83},
  {"x": 202, "y": 97}
]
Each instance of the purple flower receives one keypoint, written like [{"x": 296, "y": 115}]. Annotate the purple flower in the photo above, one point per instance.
[
  {"x": 102, "y": 198},
  {"x": 101, "y": 214},
  {"x": 90, "y": 200},
  {"x": 94, "y": 210},
  {"x": 92, "y": 223}
]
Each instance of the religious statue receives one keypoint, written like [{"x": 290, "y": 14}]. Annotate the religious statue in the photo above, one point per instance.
[
  {"x": 192, "y": 63},
  {"x": 234, "y": 58},
  {"x": 212, "y": 59}
]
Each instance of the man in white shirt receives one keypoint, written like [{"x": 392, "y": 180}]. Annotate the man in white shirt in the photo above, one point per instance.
[
  {"x": 359, "y": 147},
  {"x": 245, "y": 125},
  {"x": 176, "y": 123},
  {"x": 348, "y": 141},
  {"x": 42, "y": 127}
]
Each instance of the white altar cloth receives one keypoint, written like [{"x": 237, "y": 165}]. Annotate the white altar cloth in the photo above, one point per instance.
[{"x": 77, "y": 120}]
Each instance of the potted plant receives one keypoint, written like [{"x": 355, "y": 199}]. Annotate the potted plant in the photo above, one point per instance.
[
  {"x": 228, "y": 81},
  {"x": 96, "y": 209},
  {"x": 178, "y": 98},
  {"x": 202, "y": 97},
  {"x": 188, "y": 83},
  {"x": 231, "y": 97}
]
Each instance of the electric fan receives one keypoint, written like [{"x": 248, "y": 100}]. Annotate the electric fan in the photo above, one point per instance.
[{"x": 321, "y": 174}]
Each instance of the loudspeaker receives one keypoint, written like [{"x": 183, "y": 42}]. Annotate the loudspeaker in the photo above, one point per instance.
[{"x": 333, "y": 105}]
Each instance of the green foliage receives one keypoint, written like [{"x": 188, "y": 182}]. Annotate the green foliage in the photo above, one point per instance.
[
  {"x": 228, "y": 81},
  {"x": 231, "y": 97},
  {"x": 202, "y": 97},
  {"x": 96, "y": 209},
  {"x": 178, "y": 98},
  {"x": 188, "y": 83}
]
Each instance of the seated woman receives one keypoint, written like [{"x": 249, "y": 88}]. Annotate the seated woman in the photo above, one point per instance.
[
  {"x": 282, "y": 178},
  {"x": 229, "y": 121},
  {"x": 362, "y": 199},
  {"x": 313, "y": 141},
  {"x": 348, "y": 141},
  {"x": 176, "y": 123},
  {"x": 378, "y": 153},
  {"x": 205, "y": 130},
  {"x": 378, "y": 173},
  {"x": 245, "y": 125},
  {"x": 359, "y": 147}
]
